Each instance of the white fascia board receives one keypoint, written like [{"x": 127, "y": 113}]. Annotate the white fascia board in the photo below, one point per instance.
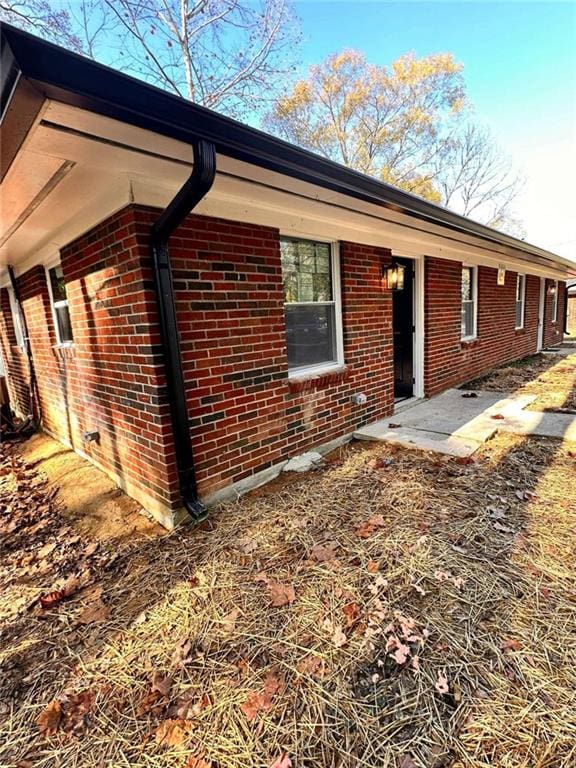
[{"x": 278, "y": 209}]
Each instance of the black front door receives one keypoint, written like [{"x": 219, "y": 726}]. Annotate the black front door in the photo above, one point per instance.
[{"x": 403, "y": 328}]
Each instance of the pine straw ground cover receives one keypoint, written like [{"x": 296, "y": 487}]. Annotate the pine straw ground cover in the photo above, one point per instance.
[
  {"x": 551, "y": 377},
  {"x": 391, "y": 609}
]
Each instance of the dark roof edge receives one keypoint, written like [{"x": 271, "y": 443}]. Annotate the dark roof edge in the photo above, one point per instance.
[{"x": 72, "y": 79}]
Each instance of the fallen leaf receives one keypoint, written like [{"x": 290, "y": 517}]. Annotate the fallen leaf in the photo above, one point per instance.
[
  {"x": 366, "y": 529},
  {"x": 373, "y": 566},
  {"x": 281, "y": 594},
  {"x": 174, "y": 733},
  {"x": 46, "y": 550},
  {"x": 91, "y": 549},
  {"x": 229, "y": 621},
  {"x": 309, "y": 665},
  {"x": 51, "y": 599},
  {"x": 442, "y": 575},
  {"x": 181, "y": 656},
  {"x": 401, "y": 653},
  {"x": 502, "y": 528},
  {"x": 49, "y": 719},
  {"x": 511, "y": 644},
  {"x": 323, "y": 553},
  {"x": 465, "y": 460},
  {"x": 197, "y": 762},
  {"x": 415, "y": 663},
  {"x": 282, "y": 762},
  {"x": 247, "y": 545},
  {"x": 441, "y": 684},
  {"x": 339, "y": 639},
  {"x": 161, "y": 683},
  {"x": 352, "y": 613},
  {"x": 405, "y": 761},
  {"x": 255, "y": 703},
  {"x": 94, "y": 613},
  {"x": 459, "y": 549},
  {"x": 186, "y": 707},
  {"x": 261, "y": 701},
  {"x": 379, "y": 463},
  {"x": 497, "y": 416}
]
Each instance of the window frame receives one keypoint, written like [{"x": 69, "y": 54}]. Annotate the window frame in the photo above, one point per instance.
[
  {"x": 555, "y": 300},
  {"x": 17, "y": 320},
  {"x": 520, "y": 276},
  {"x": 305, "y": 371},
  {"x": 473, "y": 301},
  {"x": 54, "y": 305}
]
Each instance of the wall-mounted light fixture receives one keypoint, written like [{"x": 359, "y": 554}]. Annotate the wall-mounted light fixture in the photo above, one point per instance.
[{"x": 393, "y": 277}]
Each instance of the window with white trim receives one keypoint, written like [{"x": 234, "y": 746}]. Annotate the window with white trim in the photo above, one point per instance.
[
  {"x": 520, "y": 300},
  {"x": 311, "y": 304},
  {"x": 17, "y": 321},
  {"x": 554, "y": 293},
  {"x": 59, "y": 301},
  {"x": 469, "y": 302}
]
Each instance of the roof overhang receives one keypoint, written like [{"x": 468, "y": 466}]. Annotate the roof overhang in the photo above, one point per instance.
[{"x": 79, "y": 141}]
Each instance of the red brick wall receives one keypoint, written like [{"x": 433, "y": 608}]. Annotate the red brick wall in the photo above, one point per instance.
[
  {"x": 111, "y": 380},
  {"x": 244, "y": 414},
  {"x": 450, "y": 361}
]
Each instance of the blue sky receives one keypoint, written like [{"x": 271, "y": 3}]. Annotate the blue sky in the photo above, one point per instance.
[{"x": 520, "y": 69}]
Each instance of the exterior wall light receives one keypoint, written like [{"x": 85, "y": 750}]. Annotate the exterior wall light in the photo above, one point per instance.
[{"x": 393, "y": 277}]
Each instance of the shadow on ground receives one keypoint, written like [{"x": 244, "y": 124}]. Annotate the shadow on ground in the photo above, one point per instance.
[{"x": 431, "y": 621}]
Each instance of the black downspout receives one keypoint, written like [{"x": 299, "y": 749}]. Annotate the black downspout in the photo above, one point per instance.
[
  {"x": 32, "y": 381},
  {"x": 193, "y": 190}
]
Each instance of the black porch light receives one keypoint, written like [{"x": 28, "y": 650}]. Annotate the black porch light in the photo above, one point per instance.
[{"x": 393, "y": 277}]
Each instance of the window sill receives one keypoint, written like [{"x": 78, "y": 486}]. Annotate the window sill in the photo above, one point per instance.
[
  {"x": 471, "y": 341},
  {"x": 301, "y": 382},
  {"x": 64, "y": 350}
]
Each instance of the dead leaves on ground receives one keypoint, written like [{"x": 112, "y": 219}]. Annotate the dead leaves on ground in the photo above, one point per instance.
[
  {"x": 67, "y": 715},
  {"x": 280, "y": 594},
  {"x": 174, "y": 732},
  {"x": 441, "y": 684},
  {"x": 261, "y": 701},
  {"x": 368, "y": 528}
]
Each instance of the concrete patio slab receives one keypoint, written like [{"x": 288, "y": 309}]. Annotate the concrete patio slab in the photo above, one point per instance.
[
  {"x": 417, "y": 438},
  {"x": 558, "y": 425},
  {"x": 457, "y": 425}
]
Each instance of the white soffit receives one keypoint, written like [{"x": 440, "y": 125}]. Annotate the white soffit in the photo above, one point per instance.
[{"x": 109, "y": 164}]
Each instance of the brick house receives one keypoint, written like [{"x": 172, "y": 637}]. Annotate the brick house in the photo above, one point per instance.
[{"x": 189, "y": 302}]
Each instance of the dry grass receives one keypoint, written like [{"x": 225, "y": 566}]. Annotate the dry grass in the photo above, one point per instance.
[
  {"x": 193, "y": 611},
  {"x": 551, "y": 377}
]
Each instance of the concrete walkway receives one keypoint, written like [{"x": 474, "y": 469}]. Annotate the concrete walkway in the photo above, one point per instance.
[{"x": 457, "y": 425}]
